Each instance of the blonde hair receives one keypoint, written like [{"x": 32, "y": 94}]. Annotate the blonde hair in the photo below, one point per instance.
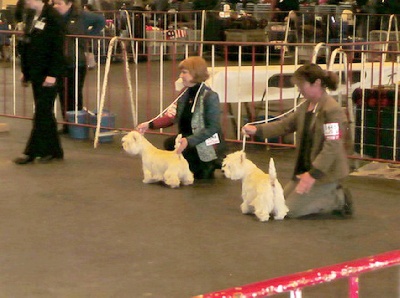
[
  {"x": 311, "y": 72},
  {"x": 197, "y": 68}
]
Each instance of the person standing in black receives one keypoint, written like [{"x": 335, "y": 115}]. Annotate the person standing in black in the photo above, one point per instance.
[
  {"x": 42, "y": 61},
  {"x": 77, "y": 22}
]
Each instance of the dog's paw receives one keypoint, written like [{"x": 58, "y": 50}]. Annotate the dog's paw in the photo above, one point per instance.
[
  {"x": 280, "y": 213},
  {"x": 263, "y": 217},
  {"x": 246, "y": 209},
  {"x": 187, "y": 181},
  {"x": 150, "y": 180},
  {"x": 279, "y": 217},
  {"x": 186, "y": 178},
  {"x": 173, "y": 185},
  {"x": 172, "y": 182}
]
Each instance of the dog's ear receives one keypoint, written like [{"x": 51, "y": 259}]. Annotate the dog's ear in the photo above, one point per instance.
[{"x": 136, "y": 136}]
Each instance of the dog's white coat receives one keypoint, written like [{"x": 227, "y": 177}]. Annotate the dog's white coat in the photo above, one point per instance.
[
  {"x": 158, "y": 165},
  {"x": 262, "y": 193}
]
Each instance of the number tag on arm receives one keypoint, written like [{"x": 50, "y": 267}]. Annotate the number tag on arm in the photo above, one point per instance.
[
  {"x": 331, "y": 131},
  {"x": 214, "y": 139}
]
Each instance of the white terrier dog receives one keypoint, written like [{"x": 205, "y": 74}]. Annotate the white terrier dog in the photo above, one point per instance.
[
  {"x": 158, "y": 165},
  {"x": 262, "y": 193}
]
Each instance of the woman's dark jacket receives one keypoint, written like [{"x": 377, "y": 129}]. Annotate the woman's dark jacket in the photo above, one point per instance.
[
  {"x": 42, "y": 46},
  {"x": 80, "y": 22}
]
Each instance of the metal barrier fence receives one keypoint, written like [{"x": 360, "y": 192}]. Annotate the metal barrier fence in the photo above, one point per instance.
[
  {"x": 311, "y": 24},
  {"x": 295, "y": 283},
  {"x": 252, "y": 79}
]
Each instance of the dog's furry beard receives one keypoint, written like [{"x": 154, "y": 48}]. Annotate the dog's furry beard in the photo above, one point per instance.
[
  {"x": 262, "y": 193},
  {"x": 159, "y": 165}
]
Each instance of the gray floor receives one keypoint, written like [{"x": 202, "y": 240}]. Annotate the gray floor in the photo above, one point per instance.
[{"x": 89, "y": 227}]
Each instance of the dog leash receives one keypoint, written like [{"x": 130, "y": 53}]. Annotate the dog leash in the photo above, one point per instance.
[
  {"x": 176, "y": 99},
  {"x": 270, "y": 119},
  {"x": 167, "y": 108},
  {"x": 158, "y": 116},
  {"x": 279, "y": 116}
]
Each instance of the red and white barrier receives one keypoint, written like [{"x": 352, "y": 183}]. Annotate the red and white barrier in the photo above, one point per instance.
[{"x": 296, "y": 282}]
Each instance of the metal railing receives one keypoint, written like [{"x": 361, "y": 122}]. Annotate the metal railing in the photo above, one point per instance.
[{"x": 250, "y": 81}]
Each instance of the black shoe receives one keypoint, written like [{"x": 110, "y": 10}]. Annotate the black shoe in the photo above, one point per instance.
[
  {"x": 24, "y": 160},
  {"x": 64, "y": 130},
  {"x": 204, "y": 176},
  {"x": 347, "y": 209},
  {"x": 48, "y": 159}
]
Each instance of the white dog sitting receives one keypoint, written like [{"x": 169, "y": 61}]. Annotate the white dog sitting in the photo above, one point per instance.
[
  {"x": 262, "y": 193},
  {"x": 158, "y": 165}
]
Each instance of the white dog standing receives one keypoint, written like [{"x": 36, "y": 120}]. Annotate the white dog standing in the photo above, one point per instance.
[
  {"x": 158, "y": 165},
  {"x": 262, "y": 193}
]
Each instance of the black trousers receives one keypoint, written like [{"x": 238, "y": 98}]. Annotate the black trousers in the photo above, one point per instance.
[
  {"x": 66, "y": 89},
  {"x": 44, "y": 139}
]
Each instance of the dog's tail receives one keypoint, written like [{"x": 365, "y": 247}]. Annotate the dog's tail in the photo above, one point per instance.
[
  {"x": 177, "y": 142},
  {"x": 272, "y": 171}
]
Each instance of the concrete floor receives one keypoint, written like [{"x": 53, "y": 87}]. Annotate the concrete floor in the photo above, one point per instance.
[{"x": 89, "y": 227}]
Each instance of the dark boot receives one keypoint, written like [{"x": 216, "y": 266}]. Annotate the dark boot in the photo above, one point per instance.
[{"x": 347, "y": 209}]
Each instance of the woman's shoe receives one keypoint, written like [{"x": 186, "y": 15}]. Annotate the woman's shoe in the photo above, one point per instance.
[
  {"x": 48, "y": 159},
  {"x": 348, "y": 207},
  {"x": 24, "y": 160},
  {"x": 347, "y": 210},
  {"x": 64, "y": 130},
  {"x": 207, "y": 172}
]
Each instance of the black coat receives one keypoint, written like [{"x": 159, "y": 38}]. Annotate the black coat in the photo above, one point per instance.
[
  {"x": 387, "y": 7},
  {"x": 42, "y": 47},
  {"x": 288, "y": 5},
  {"x": 78, "y": 22}
]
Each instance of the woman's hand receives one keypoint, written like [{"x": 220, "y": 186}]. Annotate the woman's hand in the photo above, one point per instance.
[
  {"x": 305, "y": 184},
  {"x": 23, "y": 80},
  {"x": 183, "y": 144},
  {"x": 49, "y": 82},
  {"x": 249, "y": 130},
  {"x": 142, "y": 127}
]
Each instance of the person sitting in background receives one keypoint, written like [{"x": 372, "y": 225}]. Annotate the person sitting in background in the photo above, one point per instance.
[
  {"x": 77, "y": 22},
  {"x": 281, "y": 6},
  {"x": 198, "y": 117},
  {"x": 205, "y": 5},
  {"x": 89, "y": 7},
  {"x": 321, "y": 162},
  {"x": 160, "y": 5},
  {"x": 361, "y": 8},
  {"x": 384, "y": 8}
]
